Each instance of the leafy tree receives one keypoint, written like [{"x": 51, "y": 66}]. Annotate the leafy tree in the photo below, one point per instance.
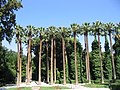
[
  {"x": 83, "y": 66},
  {"x": 116, "y": 48},
  {"x": 8, "y": 66},
  {"x": 8, "y": 17},
  {"x": 71, "y": 65},
  {"x": 107, "y": 67},
  {"x": 94, "y": 62}
]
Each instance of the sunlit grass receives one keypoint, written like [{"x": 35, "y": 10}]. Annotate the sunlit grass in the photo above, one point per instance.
[
  {"x": 41, "y": 88},
  {"x": 96, "y": 85},
  {"x": 21, "y": 88}
]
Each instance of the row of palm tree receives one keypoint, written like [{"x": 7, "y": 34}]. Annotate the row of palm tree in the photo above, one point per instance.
[
  {"x": 31, "y": 35},
  {"x": 19, "y": 32}
]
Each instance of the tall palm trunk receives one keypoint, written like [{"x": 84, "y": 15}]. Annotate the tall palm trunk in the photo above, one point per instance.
[
  {"x": 63, "y": 51},
  {"x": 66, "y": 63},
  {"x": 40, "y": 57},
  {"x": 86, "y": 55},
  {"x": 26, "y": 69},
  {"x": 88, "y": 62},
  {"x": 54, "y": 61},
  {"x": 51, "y": 77},
  {"x": 47, "y": 63},
  {"x": 18, "y": 63},
  {"x": 29, "y": 60},
  {"x": 30, "y": 68},
  {"x": 101, "y": 66},
  {"x": 111, "y": 50},
  {"x": 76, "y": 71}
]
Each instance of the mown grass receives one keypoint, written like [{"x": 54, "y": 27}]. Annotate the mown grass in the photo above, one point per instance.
[
  {"x": 54, "y": 88},
  {"x": 41, "y": 88},
  {"x": 21, "y": 88},
  {"x": 96, "y": 85}
]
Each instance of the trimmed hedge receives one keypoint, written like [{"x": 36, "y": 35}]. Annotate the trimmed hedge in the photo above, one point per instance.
[{"x": 115, "y": 86}]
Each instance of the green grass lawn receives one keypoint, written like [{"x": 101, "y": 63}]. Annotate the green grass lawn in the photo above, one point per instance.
[
  {"x": 21, "y": 88},
  {"x": 41, "y": 88},
  {"x": 96, "y": 85},
  {"x": 54, "y": 88}
]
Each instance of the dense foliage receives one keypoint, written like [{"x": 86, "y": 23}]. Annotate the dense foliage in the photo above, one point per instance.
[
  {"x": 116, "y": 48},
  {"x": 8, "y": 66},
  {"x": 8, "y": 18}
]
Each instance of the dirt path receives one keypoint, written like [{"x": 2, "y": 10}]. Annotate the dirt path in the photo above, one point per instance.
[{"x": 36, "y": 88}]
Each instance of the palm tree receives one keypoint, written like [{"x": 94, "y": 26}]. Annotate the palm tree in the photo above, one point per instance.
[
  {"x": 40, "y": 33},
  {"x": 29, "y": 33},
  {"x": 18, "y": 32},
  {"x": 54, "y": 42},
  {"x": 62, "y": 33},
  {"x": 46, "y": 39},
  {"x": 85, "y": 28},
  {"x": 97, "y": 27},
  {"x": 117, "y": 31},
  {"x": 20, "y": 62},
  {"x": 18, "y": 59},
  {"x": 47, "y": 62},
  {"x": 52, "y": 31},
  {"x": 118, "y": 36},
  {"x": 110, "y": 28},
  {"x": 51, "y": 61},
  {"x": 75, "y": 27}
]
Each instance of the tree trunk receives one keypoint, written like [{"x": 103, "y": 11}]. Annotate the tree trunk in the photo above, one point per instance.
[
  {"x": 26, "y": 69},
  {"x": 47, "y": 63},
  {"x": 40, "y": 57},
  {"x": 88, "y": 62},
  {"x": 113, "y": 63},
  {"x": 29, "y": 61},
  {"x": 63, "y": 51},
  {"x": 66, "y": 61},
  {"x": 76, "y": 71},
  {"x": 51, "y": 78},
  {"x": 31, "y": 68},
  {"x": 18, "y": 63},
  {"x": 54, "y": 61},
  {"x": 101, "y": 66}
]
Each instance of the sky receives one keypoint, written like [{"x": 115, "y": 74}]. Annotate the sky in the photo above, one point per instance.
[{"x": 57, "y": 13}]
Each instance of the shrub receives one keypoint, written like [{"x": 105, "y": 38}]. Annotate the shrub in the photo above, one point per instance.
[{"x": 115, "y": 86}]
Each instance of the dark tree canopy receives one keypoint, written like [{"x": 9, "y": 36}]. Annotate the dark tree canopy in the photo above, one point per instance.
[{"x": 8, "y": 17}]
